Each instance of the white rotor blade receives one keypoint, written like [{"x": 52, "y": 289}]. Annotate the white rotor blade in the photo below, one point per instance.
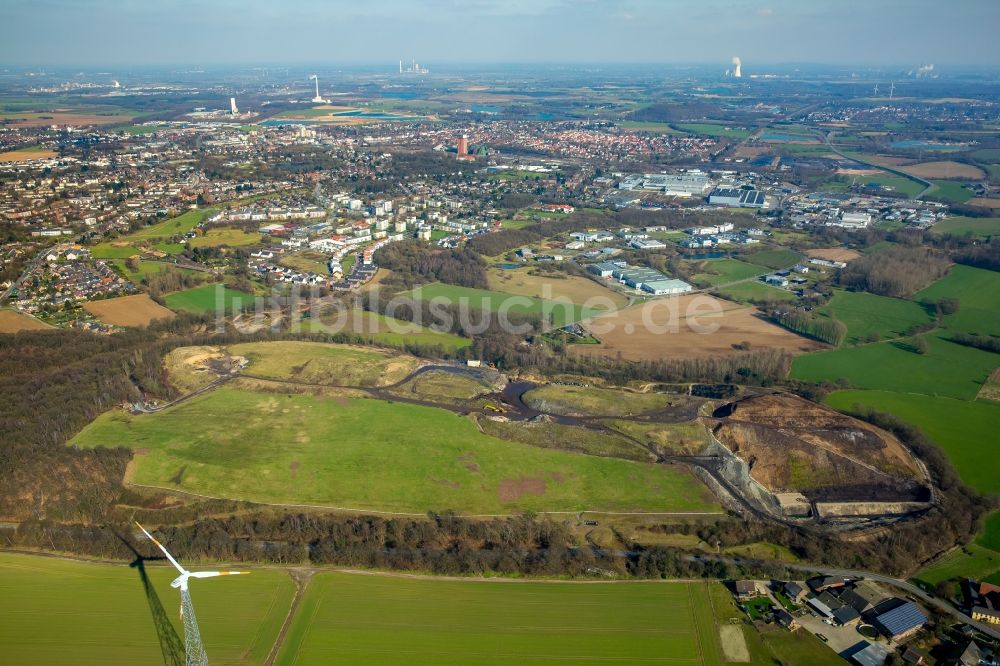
[
  {"x": 213, "y": 574},
  {"x": 165, "y": 551}
]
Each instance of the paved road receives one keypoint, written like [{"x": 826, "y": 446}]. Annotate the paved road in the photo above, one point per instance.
[{"x": 906, "y": 586}]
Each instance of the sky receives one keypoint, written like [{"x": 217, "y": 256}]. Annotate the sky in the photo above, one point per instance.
[{"x": 80, "y": 33}]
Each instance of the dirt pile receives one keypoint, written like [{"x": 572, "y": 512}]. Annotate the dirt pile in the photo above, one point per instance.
[{"x": 792, "y": 445}]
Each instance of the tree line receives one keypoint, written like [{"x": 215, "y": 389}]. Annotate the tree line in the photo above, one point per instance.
[
  {"x": 825, "y": 330},
  {"x": 897, "y": 271}
]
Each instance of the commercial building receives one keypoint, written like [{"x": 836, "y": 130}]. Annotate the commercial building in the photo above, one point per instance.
[
  {"x": 736, "y": 198},
  {"x": 641, "y": 278},
  {"x": 689, "y": 183}
]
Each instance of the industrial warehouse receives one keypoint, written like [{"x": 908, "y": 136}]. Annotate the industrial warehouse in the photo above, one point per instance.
[
  {"x": 737, "y": 198},
  {"x": 640, "y": 278}
]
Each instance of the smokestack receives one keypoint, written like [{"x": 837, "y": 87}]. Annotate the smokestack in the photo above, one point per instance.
[
  {"x": 232, "y": 106},
  {"x": 737, "y": 64}
]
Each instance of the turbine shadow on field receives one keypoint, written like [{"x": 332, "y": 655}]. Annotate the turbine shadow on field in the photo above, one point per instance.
[{"x": 170, "y": 643}]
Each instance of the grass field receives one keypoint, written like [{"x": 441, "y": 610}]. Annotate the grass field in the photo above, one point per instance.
[
  {"x": 308, "y": 261},
  {"x": 971, "y": 226},
  {"x": 326, "y": 364},
  {"x": 151, "y": 268},
  {"x": 976, "y": 289},
  {"x": 899, "y": 184},
  {"x": 225, "y": 236},
  {"x": 387, "y": 330},
  {"x": 709, "y": 129},
  {"x": 381, "y": 620},
  {"x": 961, "y": 428},
  {"x": 130, "y": 244},
  {"x": 209, "y": 298},
  {"x": 776, "y": 259},
  {"x": 944, "y": 169},
  {"x": 136, "y": 310},
  {"x": 755, "y": 292},
  {"x": 971, "y": 561},
  {"x": 947, "y": 369},
  {"x": 950, "y": 191},
  {"x": 990, "y": 536},
  {"x": 373, "y": 455},
  {"x": 595, "y": 401},
  {"x": 63, "y": 612},
  {"x": 575, "y": 289},
  {"x": 722, "y": 271},
  {"x": 482, "y": 300},
  {"x": 653, "y": 127},
  {"x": 12, "y": 321},
  {"x": 870, "y": 317}
]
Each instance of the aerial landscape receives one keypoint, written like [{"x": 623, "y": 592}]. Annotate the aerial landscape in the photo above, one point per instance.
[{"x": 536, "y": 332}]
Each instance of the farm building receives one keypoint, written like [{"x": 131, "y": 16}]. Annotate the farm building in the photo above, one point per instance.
[
  {"x": 735, "y": 198},
  {"x": 846, "y": 616},
  {"x": 983, "y": 600},
  {"x": 870, "y": 654},
  {"x": 794, "y": 591},
  {"x": 745, "y": 589},
  {"x": 901, "y": 621},
  {"x": 785, "y": 619},
  {"x": 823, "y": 583}
]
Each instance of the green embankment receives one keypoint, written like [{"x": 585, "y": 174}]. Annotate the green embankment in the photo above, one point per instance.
[{"x": 374, "y": 455}]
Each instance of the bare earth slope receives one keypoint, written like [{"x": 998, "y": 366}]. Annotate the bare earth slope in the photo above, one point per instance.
[{"x": 793, "y": 445}]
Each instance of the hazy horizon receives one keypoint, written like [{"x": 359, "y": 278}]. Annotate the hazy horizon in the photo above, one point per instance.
[{"x": 174, "y": 33}]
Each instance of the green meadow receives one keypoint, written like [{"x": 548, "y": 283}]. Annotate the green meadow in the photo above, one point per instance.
[
  {"x": 970, "y": 561},
  {"x": 871, "y": 317},
  {"x": 947, "y": 369},
  {"x": 977, "y": 290},
  {"x": 373, "y": 455},
  {"x": 480, "y": 300},
  {"x": 63, "y": 612},
  {"x": 209, "y": 298},
  {"x": 755, "y": 292},
  {"x": 950, "y": 191},
  {"x": 964, "y": 429},
  {"x": 386, "y": 330},
  {"x": 722, "y": 271},
  {"x": 710, "y": 129},
  {"x": 362, "y": 619},
  {"x": 968, "y": 226},
  {"x": 776, "y": 259}
]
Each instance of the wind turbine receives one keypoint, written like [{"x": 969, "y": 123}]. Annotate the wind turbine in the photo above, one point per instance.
[
  {"x": 892, "y": 88},
  {"x": 876, "y": 90},
  {"x": 193, "y": 649}
]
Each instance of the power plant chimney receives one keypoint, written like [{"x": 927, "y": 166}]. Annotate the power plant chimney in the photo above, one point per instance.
[{"x": 737, "y": 64}]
